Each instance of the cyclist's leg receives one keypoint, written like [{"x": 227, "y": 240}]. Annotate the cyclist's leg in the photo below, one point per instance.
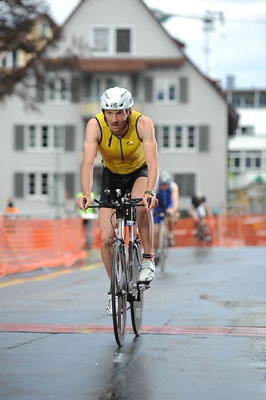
[
  {"x": 156, "y": 221},
  {"x": 107, "y": 233},
  {"x": 145, "y": 225},
  {"x": 144, "y": 218}
]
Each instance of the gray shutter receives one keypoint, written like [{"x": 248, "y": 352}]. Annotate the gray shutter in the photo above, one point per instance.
[
  {"x": 204, "y": 138},
  {"x": 40, "y": 92},
  {"x": 183, "y": 90},
  {"x": 87, "y": 86},
  {"x": 69, "y": 138},
  {"x": 19, "y": 137},
  {"x": 70, "y": 184},
  {"x": 19, "y": 185},
  {"x": 148, "y": 89},
  {"x": 135, "y": 85},
  {"x": 75, "y": 88}
]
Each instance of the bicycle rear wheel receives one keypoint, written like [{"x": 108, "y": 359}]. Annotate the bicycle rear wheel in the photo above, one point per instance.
[
  {"x": 137, "y": 297},
  {"x": 119, "y": 292}
]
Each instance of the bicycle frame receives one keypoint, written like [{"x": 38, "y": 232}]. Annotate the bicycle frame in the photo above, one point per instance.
[{"x": 126, "y": 263}]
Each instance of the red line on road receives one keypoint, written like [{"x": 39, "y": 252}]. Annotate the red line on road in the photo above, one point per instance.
[{"x": 152, "y": 330}]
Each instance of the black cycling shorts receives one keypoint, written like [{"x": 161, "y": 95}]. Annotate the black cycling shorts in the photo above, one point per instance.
[{"x": 125, "y": 182}]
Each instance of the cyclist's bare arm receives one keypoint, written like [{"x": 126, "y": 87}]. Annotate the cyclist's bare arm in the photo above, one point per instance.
[
  {"x": 89, "y": 153},
  {"x": 146, "y": 133},
  {"x": 174, "y": 197}
]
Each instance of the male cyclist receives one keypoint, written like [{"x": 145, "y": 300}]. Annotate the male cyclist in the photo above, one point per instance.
[
  {"x": 199, "y": 210},
  {"x": 126, "y": 141},
  {"x": 167, "y": 195}
]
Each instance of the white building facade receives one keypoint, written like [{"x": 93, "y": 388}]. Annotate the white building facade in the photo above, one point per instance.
[{"x": 100, "y": 48}]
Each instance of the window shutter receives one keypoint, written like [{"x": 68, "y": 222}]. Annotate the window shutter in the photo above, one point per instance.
[
  {"x": 19, "y": 137},
  {"x": 135, "y": 84},
  {"x": 183, "y": 90},
  {"x": 69, "y": 138},
  {"x": 70, "y": 185},
  {"x": 204, "y": 138},
  {"x": 19, "y": 185},
  {"x": 75, "y": 87},
  {"x": 148, "y": 89},
  {"x": 87, "y": 85},
  {"x": 40, "y": 92}
]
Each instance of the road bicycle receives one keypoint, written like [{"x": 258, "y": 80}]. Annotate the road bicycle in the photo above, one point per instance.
[
  {"x": 202, "y": 232},
  {"x": 162, "y": 251},
  {"x": 126, "y": 264}
]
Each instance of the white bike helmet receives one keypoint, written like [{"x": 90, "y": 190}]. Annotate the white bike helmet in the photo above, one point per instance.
[
  {"x": 116, "y": 99},
  {"x": 165, "y": 177}
]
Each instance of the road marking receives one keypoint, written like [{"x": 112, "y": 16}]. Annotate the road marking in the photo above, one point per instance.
[
  {"x": 149, "y": 330},
  {"x": 50, "y": 275}
]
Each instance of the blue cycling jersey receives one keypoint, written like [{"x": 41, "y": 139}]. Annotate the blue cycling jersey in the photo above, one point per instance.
[{"x": 164, "y": 198}]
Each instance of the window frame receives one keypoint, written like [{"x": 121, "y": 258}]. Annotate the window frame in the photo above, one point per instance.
[
  {"x": 162, "y": 88},
  {"x": 184, "y": 137},
  {"x": 111, "y": 40},
  {"x": 52, "y": 130}
]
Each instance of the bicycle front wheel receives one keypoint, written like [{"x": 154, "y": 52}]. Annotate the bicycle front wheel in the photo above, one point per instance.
[
  {"x": 162, "y": 248},
  {"x": 119, "y": 293},
  {"x": 138, "y": 290}
]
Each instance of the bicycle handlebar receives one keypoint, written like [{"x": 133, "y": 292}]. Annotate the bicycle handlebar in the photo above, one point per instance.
[{"x": 121, "y": 202}]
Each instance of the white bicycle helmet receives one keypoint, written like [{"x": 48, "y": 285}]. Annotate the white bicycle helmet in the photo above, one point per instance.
[
  {"x": 116, "y": 99},
  {"x": 165, "y": 177}
]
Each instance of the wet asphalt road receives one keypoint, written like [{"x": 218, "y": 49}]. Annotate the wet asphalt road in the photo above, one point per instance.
[{"x": 204, "y": 297}]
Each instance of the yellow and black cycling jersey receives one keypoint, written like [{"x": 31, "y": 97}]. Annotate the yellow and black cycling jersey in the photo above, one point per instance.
[{"x": 121, "y": 155}]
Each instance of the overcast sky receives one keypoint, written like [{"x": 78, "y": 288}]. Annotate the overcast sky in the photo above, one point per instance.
[{"x": 236, "y": 46}]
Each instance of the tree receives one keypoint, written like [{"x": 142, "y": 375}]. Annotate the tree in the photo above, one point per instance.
[{"x": 17, "y": 21}]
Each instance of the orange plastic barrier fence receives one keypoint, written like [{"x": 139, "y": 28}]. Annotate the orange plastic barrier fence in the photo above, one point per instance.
[
  {"x": 226, "y": 231},
  {"x": 27, "y": 244}
]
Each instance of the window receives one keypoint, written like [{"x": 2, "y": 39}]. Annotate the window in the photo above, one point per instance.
[
  {"x": 123, "y": 41},
  {"x": 44, "y": 30},
  {"x": 178, "y": 137},
  {"x": 32, "y": 184},
  {"x": 253, "y": 159},
  {"x": 234, "y": 161},
  {"x": 111, "y": 40},
  {"x": 42, "y": 184},
  {"x": 191, "y": 137},
  {"x": 101, "y": 39},
  {"x": 44, "y": 136},
  {"x": 248, "y": 99},
  {"x": 182, "y": 138},
  {"x": 236, "y": 100},
  {"x": 32, "y": 136},
  {"x": 49, "y": 137},
  {"x": 246, "y": 130},
  {"x": 166, "y": 90},
  {"x": 166, "y": 141},
  {"x": 262, "y": 101},
  {"x": 58, "y": 89}
]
